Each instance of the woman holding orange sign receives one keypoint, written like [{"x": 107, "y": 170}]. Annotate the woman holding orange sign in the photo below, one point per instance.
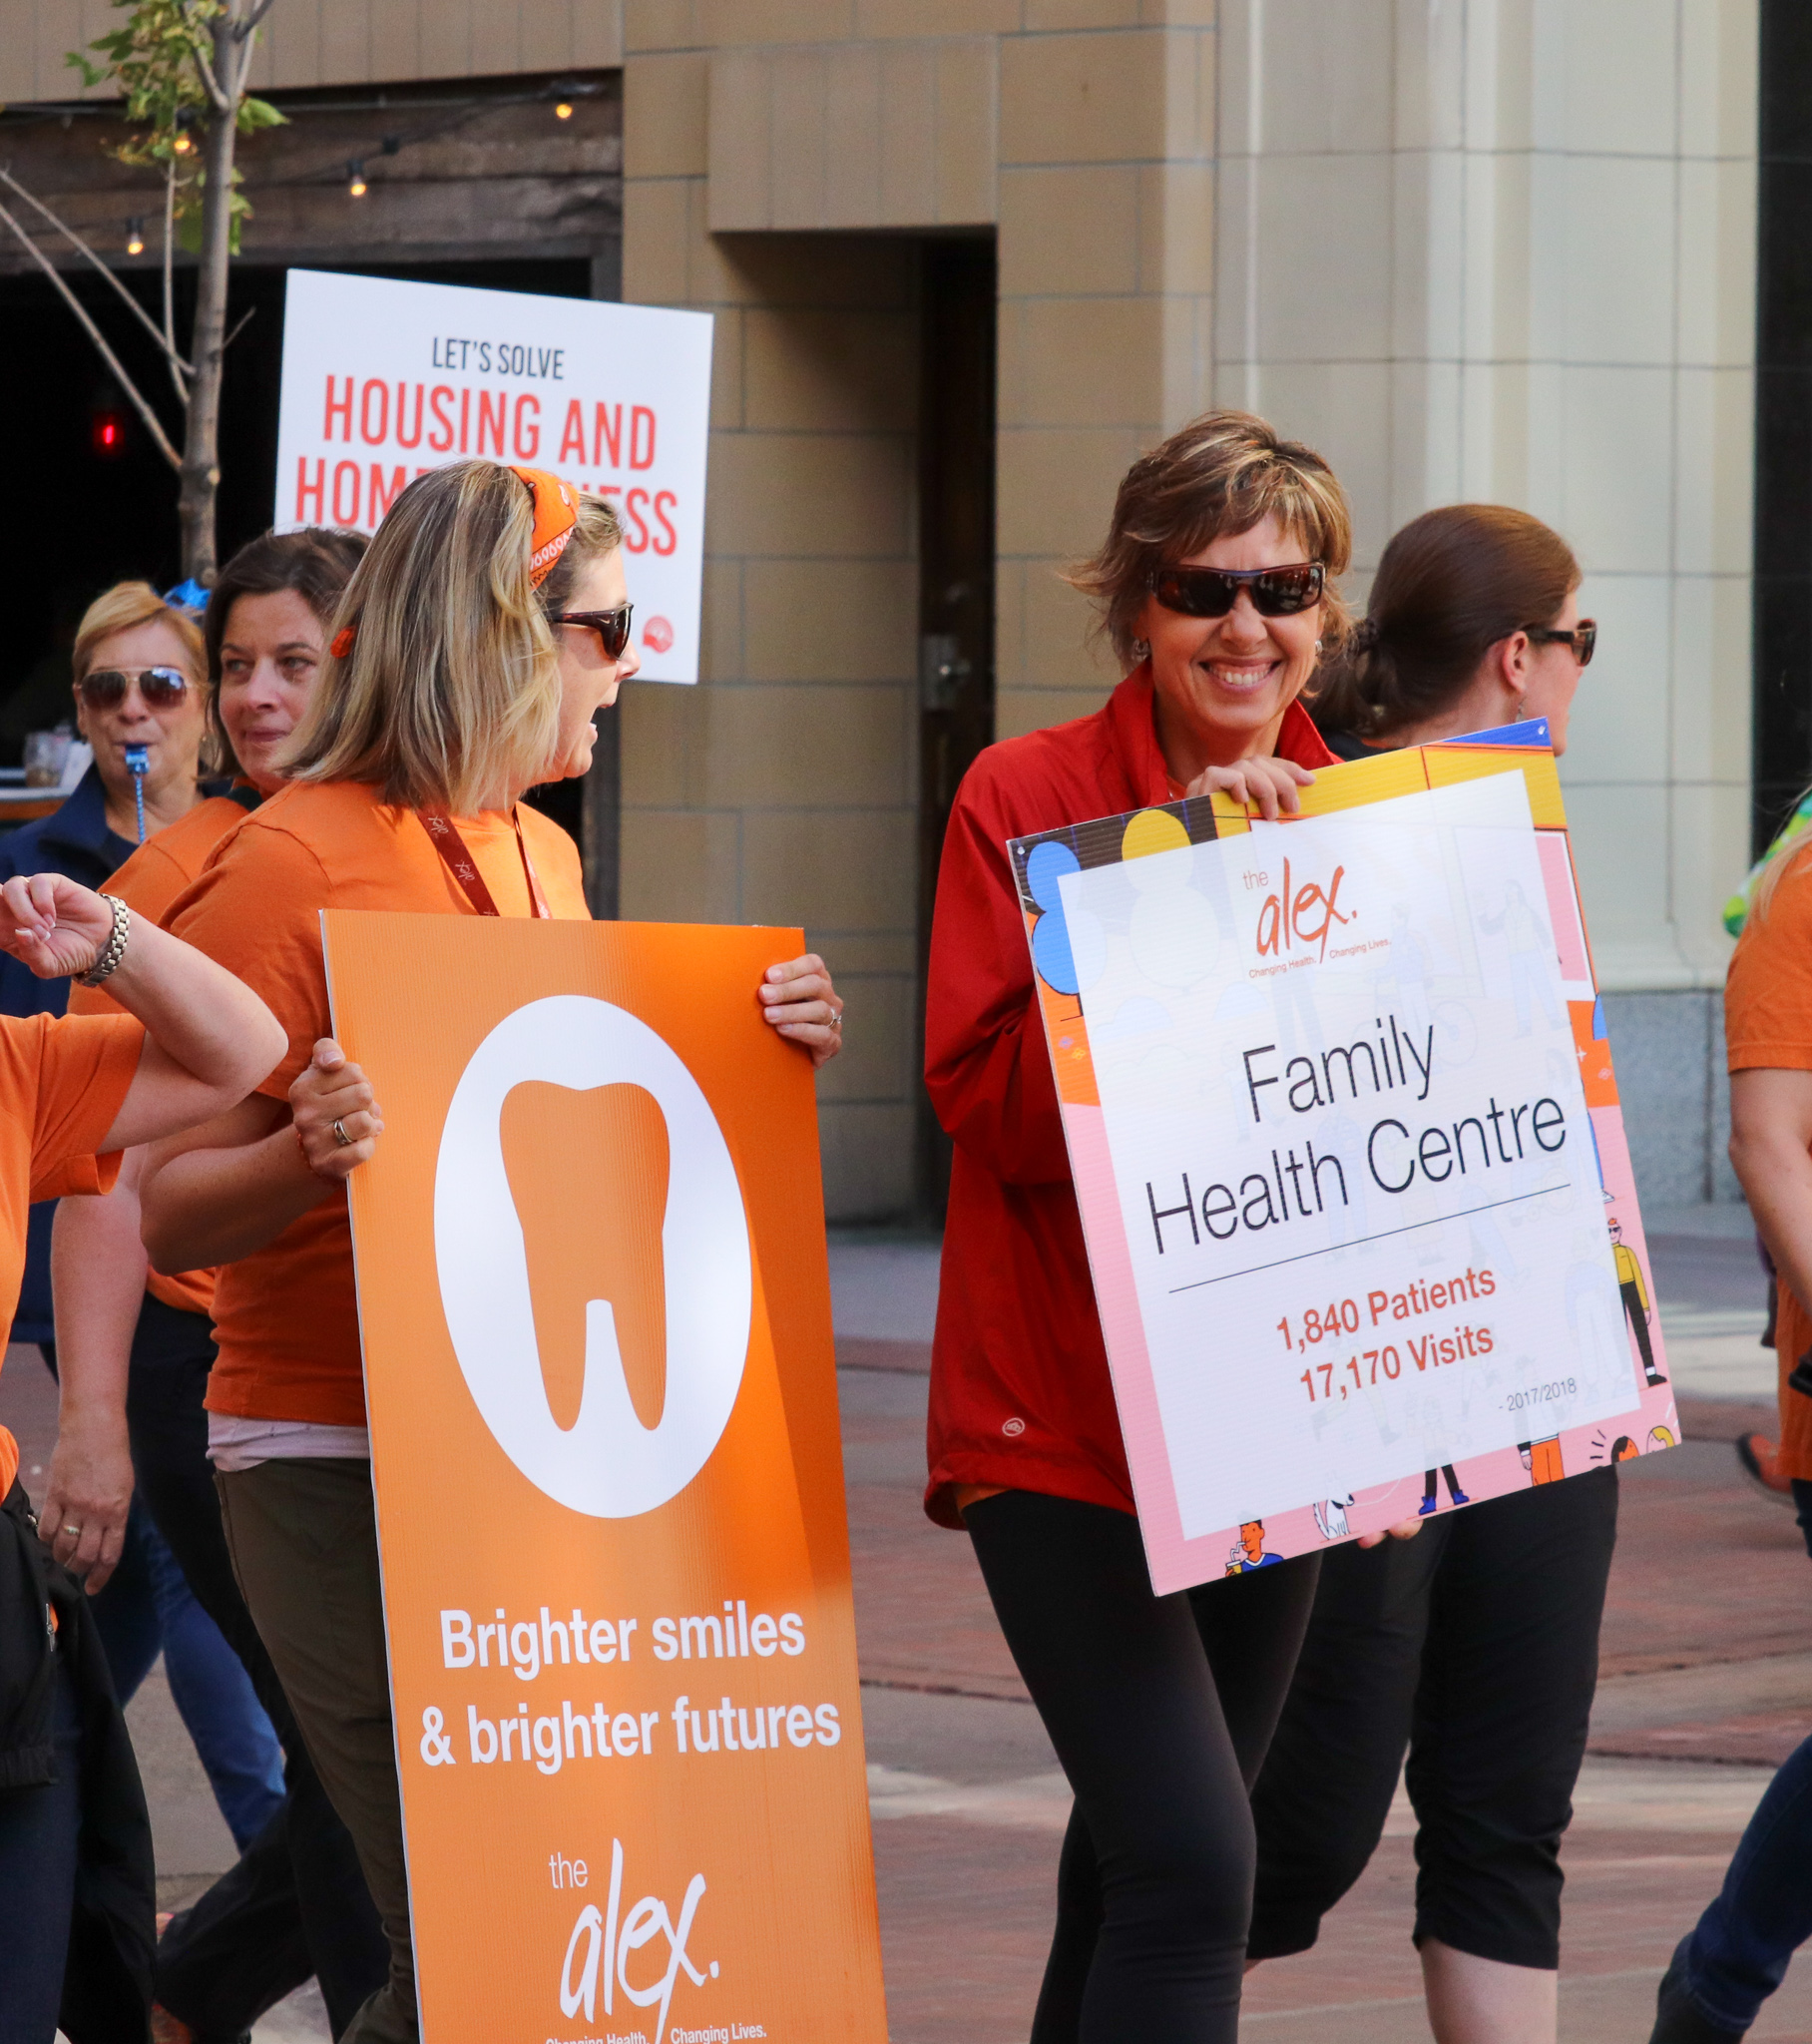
[{"x": 486, "y": 628}]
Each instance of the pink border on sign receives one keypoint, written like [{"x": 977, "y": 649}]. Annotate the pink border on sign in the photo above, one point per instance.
[{"x": 1563, "y": 912}]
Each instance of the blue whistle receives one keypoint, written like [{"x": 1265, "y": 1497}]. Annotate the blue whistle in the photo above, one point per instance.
[{"x": 138, "y": 763}]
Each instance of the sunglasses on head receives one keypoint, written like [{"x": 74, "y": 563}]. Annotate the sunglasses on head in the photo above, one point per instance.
[
  {"x": 1583, "y": 638},
  {"x": 1212, "y": 592},
  {"x": 612, "y": 627},
  {"x": 104, "y": 688}
]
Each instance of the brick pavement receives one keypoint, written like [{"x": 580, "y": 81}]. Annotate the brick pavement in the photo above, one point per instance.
[
  {"x": 1710, "y": 1576},
  {"x": 1705, "y": 1646}
]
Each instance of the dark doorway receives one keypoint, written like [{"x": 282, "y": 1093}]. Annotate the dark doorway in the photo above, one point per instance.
[
  {"x": 94, "y": 503},
  {"x": 957, "y": 292},
  {"x": 1783, "y": 419}
]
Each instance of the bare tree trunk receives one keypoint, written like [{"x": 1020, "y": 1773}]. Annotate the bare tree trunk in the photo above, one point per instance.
[{"x": 201, "y": 452}]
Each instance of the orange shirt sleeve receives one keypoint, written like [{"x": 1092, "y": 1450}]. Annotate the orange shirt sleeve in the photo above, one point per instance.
[
  {"x": 68, "y": 1077},
  {"x": 257, "y": 912},
  {"x": 1768, "y": 992}
]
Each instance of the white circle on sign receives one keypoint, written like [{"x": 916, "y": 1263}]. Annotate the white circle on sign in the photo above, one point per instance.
[{"x": 607, "y": 1465}]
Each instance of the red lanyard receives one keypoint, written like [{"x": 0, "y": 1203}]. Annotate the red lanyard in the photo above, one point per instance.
[{"x": 464, "y": 868}]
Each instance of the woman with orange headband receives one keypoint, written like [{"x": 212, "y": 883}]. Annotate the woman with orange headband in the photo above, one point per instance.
[{"x": 484, "y": 630}]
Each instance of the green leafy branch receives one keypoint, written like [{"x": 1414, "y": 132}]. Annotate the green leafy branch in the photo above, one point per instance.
[{"x": 163, "y": 60}]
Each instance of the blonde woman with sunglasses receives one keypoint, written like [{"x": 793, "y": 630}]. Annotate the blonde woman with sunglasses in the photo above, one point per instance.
[
  {"x": 140, "y": 689},
  {"x": 481, "y": 634},
  {"x": 139, "y": 671}
]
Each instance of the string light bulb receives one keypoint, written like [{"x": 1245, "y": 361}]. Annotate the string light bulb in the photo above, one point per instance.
[
  {"x": 181, "y": 144},
  {"x": 355, "y": 179},
  {"x": 134, "y": 237},
  {"x": 563, "y": 111}
]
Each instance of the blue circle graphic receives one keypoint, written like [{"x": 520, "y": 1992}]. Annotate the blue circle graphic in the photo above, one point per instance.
[{"x": 1048, "y": 865}]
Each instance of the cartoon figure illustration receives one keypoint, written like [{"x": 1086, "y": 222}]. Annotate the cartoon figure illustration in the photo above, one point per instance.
[
  {"x": 1330, "y": 1517},
  {"x": 1430, "y": 1487},
  {"x": 1661, "y": 1437},
  {"x": 1623, "y": 1449},
  {"x": 1635, "y": 1301},
  {"x": 1595, "y": 1311},
  {"x": 1407, "y": 969},
  {"x": 1248, "y": 1553},
  {"x": 1542, "y": 1459},
  {"x": 1530, "y": 975}
]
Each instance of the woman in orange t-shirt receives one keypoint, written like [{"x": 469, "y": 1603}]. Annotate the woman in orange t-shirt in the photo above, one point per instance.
[
  {"x": 136, "y": 1349},
  {"x": 74, "y": 1092},
  {"x": 484, "y": 629}
]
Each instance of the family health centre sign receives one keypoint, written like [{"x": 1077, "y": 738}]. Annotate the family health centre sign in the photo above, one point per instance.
[
  {"x": 600, "y": 1384},
  {"x": 1347, "y": 1146},
  {"x": 383, "y": 381}
]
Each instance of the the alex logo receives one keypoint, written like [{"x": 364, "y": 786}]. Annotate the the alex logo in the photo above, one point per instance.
[
  {"x": 600, "y": 1948},
  {"x": 1300, "y": 915},
  {"x": 607, "y": 1460}
]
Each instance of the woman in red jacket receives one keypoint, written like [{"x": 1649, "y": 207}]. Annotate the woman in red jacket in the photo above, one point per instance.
[{"x": 1216, "y": 585}]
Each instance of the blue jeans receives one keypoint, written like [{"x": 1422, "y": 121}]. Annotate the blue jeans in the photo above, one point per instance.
[
  {"x": 38, "y": 1831},
  {"x": 1738, "y": 1952},
  {"x": 147, "y": 1607}
]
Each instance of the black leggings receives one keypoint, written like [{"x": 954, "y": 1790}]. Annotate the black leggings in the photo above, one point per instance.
[
  {"x": 1161, "y": 1709},
  {"x": 1476, "y": 1646},
  {"x": 296, "y": 1903}
]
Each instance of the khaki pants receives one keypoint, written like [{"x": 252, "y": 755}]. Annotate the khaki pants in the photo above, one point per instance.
[{"x": 303, "y": 1539}]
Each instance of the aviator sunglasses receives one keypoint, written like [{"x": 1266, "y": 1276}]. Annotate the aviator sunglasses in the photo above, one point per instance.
[
  {"x": 105, "y": 686},
  {"x": 612, "y": 627},
  {"x": 1212, "y": 592}
]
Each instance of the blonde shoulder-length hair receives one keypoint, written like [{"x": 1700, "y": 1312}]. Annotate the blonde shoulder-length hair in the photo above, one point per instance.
[
  {"x": 449, "y": 694},
  {"x": 129, "y": 604}
]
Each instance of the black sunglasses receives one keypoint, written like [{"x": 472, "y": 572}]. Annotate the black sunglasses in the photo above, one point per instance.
[
  {"x": 612, "y": 627},
  {"x": 1212, "y": 592},
  {"x": 1583, "y": 638},
  {"x": 105, "y": 686}
]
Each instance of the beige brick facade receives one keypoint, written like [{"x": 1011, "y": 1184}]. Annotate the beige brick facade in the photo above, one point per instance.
[
  {"x": 778, "y": 158},
  {"x": 1501, "y": 252}
]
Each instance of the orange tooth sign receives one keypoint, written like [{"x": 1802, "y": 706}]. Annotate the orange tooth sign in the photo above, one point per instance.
[{"x": 601, "y": 1383}]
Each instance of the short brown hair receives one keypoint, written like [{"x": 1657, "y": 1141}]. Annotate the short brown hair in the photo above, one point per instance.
[
  {"x": 125, "y": 605},
  {"x": 1450, "y": 586},
  {"x": 316, "y": 562},
  {"x": 451, "y": 689},
  {"x": 1215, "y": 478}
]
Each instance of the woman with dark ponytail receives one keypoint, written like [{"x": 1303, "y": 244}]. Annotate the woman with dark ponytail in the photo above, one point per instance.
[
  {"x": 1474, "y": 622},
  {"x": 1475, "y": 1648}
]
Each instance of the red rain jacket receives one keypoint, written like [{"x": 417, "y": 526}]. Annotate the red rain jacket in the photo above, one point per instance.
[{"x": 1020, "y": 1392}]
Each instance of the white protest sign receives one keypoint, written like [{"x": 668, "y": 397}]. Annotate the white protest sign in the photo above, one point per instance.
[
  {"x": 1351, "y": 1157},
  {"x": 383, "y": 381}
]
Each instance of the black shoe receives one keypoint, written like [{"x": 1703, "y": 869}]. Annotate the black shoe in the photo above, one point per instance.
[{"x": 1679, "y": 2019}]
